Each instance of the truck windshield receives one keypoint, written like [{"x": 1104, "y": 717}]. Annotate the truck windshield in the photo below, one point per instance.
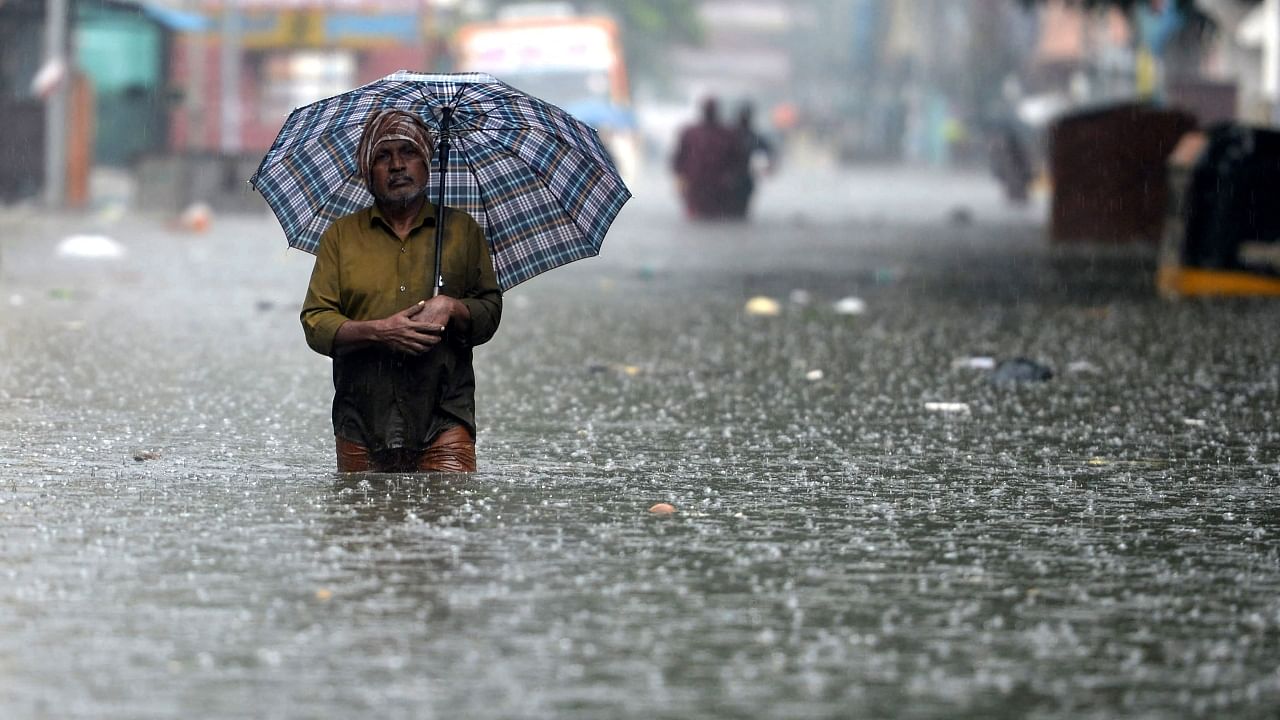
[{"x": 561, "y": 87}]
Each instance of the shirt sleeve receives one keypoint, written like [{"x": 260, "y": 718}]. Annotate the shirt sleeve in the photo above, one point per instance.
[
  {"x": 484, "y": 298},
  {"x": 320, "y": 310}
]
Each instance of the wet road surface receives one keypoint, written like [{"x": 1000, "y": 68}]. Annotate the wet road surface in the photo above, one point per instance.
[{"x": 865, "y": 525}]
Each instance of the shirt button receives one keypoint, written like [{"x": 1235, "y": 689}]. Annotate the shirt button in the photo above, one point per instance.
[
  {"x": 404, "y": 250},
  {"x": 401, "y": 288}
]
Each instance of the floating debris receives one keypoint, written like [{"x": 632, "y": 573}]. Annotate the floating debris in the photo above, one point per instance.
[
  {"x": 813, "y": 375},
  {"x": 662, "y": 509},
  {"x": 800, "y": 297},
  {"x": 763, "y": 306},
  {"x": 144, "y": 455},
  {"x": 979, "y": 362},
  {"x": 198, "y": 217},
  {"x": 620, "y": 369},
  {"x": 1083, "y": 367},
  {"x": 1018, "y": 370},
  {"x": 947, "y": 407},
  {"x": 850, "y": 306},
  {"x": 92, "y": 247}
]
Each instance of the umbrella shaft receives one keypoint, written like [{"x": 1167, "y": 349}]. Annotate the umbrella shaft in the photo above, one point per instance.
[{"x": 444, "y": 174}]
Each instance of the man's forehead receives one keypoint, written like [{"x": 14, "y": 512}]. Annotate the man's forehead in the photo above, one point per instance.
[{"x": 402, "y": 142}]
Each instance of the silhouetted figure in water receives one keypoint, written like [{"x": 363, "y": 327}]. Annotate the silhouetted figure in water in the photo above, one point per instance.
[
  {"x": 705, "y": 164},
  {"x": 754, "y": 152},
  {"x": 1010, "y": 164}
]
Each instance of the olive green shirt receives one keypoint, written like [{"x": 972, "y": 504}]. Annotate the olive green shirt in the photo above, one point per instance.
[{"x": 385, "y": 399}]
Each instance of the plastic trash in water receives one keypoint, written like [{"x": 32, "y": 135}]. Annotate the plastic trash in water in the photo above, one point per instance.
[
  {"x": 94, "y": 247},
  {"x": 1018, "y": 370},
  {"x": 197, "y": 217},
  {"x": 616, "y": 368},
  {"x": 850, "y": 306},
  {"x": 950, "y": 408},
  {"x": 1083, "y": 367},
  {"x": 813, "y": 375},
  {"x": 763, "y": 306},
  {"x": 977, "y": 362}
]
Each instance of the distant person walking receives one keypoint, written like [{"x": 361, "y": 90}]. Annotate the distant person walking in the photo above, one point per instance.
[
  {"x": 705, "y": 164},
  {"x": 1009, "y": 163},
  {"x": 755, "y": 157}
]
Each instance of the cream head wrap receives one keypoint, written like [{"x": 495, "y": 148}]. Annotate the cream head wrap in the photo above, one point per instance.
[{"x": 391, "y": 124}]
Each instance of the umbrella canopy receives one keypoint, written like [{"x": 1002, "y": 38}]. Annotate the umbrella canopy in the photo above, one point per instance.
[{"x": 538, "y": 181}]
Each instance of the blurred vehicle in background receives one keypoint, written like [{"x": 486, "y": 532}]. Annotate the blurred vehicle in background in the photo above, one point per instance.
[{"x": 575, "y": 62}]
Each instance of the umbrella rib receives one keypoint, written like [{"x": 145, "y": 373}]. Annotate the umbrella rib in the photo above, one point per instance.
[{"x": 454, "y": 101}]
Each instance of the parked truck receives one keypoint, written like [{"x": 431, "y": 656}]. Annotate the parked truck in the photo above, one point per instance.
[{"x": 575, "y": 62}]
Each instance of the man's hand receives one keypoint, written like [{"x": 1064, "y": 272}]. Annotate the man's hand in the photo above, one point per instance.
[
  {"x": 440, "y": 311},
  {"x": 410, "y": 330},
  {"x": 402, "y": 331}
]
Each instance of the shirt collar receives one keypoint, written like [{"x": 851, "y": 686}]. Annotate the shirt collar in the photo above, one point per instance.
[{"x": 426, "y": 216}]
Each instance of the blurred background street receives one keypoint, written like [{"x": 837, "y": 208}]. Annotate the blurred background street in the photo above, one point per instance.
[{"x": 973, "y": 415}]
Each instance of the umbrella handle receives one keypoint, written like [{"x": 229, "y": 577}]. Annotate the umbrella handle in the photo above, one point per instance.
[{"x": 444, "y": 167}]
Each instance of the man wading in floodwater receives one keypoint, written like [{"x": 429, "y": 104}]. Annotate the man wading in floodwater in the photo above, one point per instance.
[{"x": 404, "y": 387}]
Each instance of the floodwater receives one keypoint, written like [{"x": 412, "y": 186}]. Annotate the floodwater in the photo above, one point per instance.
[{"x": 864, "y": 526}]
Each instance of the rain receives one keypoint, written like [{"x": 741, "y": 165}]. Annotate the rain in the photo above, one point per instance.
[{"x": 918, "y": 437}]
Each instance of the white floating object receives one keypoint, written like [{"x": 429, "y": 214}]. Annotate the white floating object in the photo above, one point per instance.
[
  {"x": 947, "y": 407},
  {"x": 90, "y": 246},
  {"x": 1193, "y": 422},
  {"x": 813, "y": 375},
  {"x": 197, "y": 217},
  {"x": 800, "y": 297},
  {"x": 1083, "y": 366},
  {"x": 974, "y": 363},
  {"x": 16, "y": 300},
  {"x": 850, "y": 306},
  {"x": 763, "y": 306}
]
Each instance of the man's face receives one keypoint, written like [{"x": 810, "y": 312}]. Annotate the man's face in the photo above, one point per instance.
[{"x": 399, "y": 172}]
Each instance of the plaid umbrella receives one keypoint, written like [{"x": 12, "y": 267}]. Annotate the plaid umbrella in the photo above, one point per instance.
[{"x": 537, "y": 181}]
